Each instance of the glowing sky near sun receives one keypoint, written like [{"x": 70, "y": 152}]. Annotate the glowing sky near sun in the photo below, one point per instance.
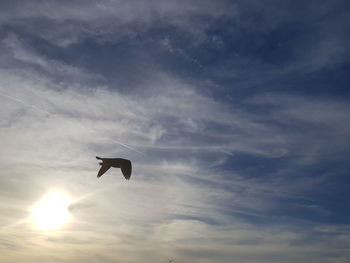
[{"x": 51, "y": 212}]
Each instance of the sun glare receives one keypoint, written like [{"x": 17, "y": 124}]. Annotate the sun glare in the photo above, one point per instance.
[{"x": 51, "y": 212}]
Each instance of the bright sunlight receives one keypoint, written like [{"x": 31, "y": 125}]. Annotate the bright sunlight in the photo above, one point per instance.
[{"x": 51, "y": 212}]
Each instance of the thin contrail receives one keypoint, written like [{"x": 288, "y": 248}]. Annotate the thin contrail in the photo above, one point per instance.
[
  {"x": 71, "y": 122},
  {"x": 24, "y": 103},
  {"x": 90, "y": 194},
  {"x": 126, "y": 146}
]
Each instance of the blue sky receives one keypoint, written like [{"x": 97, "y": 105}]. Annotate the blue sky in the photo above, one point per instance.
[{"x": 235, "y": 115}]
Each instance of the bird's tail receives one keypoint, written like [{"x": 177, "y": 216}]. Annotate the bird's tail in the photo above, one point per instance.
[{"x": 98, "y": 158}]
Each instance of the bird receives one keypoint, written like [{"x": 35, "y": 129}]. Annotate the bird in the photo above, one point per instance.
[{"x": 123, "y": 164}]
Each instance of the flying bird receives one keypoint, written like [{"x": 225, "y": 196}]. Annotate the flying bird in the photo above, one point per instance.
[{"x": 123, "y": 164}]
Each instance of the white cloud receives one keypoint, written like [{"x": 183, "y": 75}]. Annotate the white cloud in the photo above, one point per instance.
[
  {"x": 55, "y": 118},
  {"x": 107, "y": 19},
  {"x": 50, "y": 137}
]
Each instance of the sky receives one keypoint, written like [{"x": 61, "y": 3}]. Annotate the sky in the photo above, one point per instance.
[{"x": 235, "y": 115}]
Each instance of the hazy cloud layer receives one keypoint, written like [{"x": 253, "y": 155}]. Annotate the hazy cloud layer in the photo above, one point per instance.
[{"x": 235, "y": 116}]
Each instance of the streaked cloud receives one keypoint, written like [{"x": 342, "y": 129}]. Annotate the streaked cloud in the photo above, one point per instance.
[{"x": 231, "y": 161}]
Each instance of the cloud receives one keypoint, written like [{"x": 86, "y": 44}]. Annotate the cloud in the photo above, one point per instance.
[
  {"x": 214, "y": 179},
  {"x": 105, "y": 20},
  {"x": 324, "y": 121}
]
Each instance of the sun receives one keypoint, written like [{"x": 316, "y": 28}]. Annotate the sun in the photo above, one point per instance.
[{"x": 51, "y": 212}]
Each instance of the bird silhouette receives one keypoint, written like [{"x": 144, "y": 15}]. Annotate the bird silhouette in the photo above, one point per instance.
[{"x": 123, "y": 164}]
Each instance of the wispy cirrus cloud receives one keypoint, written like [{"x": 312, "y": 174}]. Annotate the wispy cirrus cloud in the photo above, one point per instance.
[{"x": 230, "y": 164}]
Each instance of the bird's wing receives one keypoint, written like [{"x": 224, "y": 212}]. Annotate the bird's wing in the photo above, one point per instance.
[
  {"x": 125, "y": 165},
  {"x": 103, "y": 169}
]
